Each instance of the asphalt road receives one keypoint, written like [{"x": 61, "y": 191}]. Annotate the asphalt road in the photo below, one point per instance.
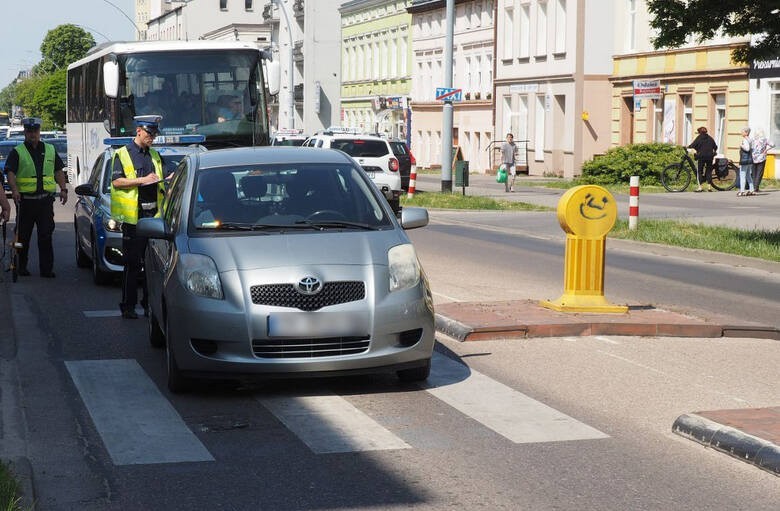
[{"x": 554, "y": 423}]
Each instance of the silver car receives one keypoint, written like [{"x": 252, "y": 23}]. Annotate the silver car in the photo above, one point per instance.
[{"x": 284, "y": 261}]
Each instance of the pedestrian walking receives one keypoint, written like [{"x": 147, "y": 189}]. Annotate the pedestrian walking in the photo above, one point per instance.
[
  {"x": 34, "y": 171},
  {"x": 761, "y": 146},
  {"x": 705, "y": 148},
  {"x": 746, "y": 164},
  {"x": 137, "y": 187},
  {"x": 508, "y": 159}
]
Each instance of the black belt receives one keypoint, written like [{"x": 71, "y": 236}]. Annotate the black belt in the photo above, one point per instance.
[{"x": 37, "y": 195}]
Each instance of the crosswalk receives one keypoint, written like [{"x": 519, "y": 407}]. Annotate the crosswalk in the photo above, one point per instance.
[{"x": 138, "y": 425}]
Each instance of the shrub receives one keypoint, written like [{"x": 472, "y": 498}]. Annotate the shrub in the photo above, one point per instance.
[{"x": 620, "y": 163}]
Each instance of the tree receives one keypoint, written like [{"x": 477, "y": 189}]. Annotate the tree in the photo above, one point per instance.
[
  {"x": 63, "y": 45},
  {"x": 49, "y": 99},
  {"x": 676, "y": 20}
]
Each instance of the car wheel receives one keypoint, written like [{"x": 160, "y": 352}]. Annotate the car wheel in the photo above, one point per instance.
[
  {"x": 100, "y": 277},
  {"x": 156, "y": 335},
  {"x": 416, "y": 373},
  {"x": 177, "y": 383},
  {"x": 82, "y": 259}
]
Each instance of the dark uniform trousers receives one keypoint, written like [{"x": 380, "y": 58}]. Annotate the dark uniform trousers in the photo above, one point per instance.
[
  {"x": 37, "y": 212},
  {"x": 133, "y": 251}
]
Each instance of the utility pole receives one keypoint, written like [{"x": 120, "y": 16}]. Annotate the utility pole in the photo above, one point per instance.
[{"x": 446, "y": 125}]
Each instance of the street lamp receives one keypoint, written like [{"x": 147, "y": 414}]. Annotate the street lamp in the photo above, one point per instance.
[
  {"x": 291, "y": 85},
  {"x": 138, "y": 30}
]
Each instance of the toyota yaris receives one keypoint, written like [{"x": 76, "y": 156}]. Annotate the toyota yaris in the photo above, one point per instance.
[{"x": 284, "y": 261}]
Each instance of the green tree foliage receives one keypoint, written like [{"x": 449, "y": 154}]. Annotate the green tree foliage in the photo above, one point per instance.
[
  {"x": 63, "y": 45},
  {"x": 49, "y": 99},
  {"x": 676, "y": 20},
  {"x": 620, "y": 163}
]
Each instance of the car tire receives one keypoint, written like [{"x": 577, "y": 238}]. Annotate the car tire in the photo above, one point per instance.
[
  {"x": 177, "y": 383},
  {"x": 156, "y": 335},
  {"x": 82, "y": 259},
  {"x": 100, "y": 277},
  {"x": 415, "y": 374}
]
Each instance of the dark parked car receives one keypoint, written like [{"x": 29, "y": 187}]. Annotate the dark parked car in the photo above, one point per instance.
[
  {"x": 5, "y": 150},
  {"x": 405, "y": 161},
  {"x": 98, "y": 235}
]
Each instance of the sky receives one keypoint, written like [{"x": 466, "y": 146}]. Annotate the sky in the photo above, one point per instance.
[{"x": 26, "y": 23}]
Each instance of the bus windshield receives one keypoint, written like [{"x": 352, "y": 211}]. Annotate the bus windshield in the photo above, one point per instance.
[{"x": 214, "y": 93}]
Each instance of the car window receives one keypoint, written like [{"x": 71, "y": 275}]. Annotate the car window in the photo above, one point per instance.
[
  {"x": 361, "y": 148},
  {"x": 175, "y": 195},
  {"x": 285, "y": 195}
]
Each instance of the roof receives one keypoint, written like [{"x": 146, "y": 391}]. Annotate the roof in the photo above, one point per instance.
[{"x": 270, "y": 154}]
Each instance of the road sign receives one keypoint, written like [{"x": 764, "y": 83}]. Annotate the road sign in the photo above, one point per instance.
[{"x": 446, "y": 94}]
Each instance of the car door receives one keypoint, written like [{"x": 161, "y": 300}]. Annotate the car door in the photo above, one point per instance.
[{"x": 86, "y": 206}]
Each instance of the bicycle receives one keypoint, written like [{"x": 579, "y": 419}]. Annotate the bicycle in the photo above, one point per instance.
[
  {"x": 15, "y": 245},
  {"x": 677, "y": 176}
]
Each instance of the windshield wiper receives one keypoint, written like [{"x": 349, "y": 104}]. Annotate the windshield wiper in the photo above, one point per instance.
[{"x": 338, "y": 223}]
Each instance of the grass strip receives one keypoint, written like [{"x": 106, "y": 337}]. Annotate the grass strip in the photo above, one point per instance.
[
  {"x": 9, "y": 490},
  {"x": 460, "y": 201},
  {"x": 763, "y": 244}
]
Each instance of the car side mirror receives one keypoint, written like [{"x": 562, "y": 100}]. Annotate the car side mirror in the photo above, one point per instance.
[
  {"x": 412, "y": 218},
  {"x": 153, "y": 228},
  {"x": 85, "y": 189}
]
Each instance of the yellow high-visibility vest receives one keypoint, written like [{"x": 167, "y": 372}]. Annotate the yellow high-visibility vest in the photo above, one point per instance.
[
  {"x": 124, "y": 201},
  {"x": 27, "y": 176}
]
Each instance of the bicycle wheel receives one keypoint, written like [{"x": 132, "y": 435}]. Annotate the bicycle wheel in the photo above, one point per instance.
[
  {"x": 675, "y": 177},
  {"x": 725, "y": 181}
]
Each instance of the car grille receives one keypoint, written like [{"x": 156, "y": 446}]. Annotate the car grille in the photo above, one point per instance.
[
  {"x": 286, "y": 295},
  {"x": 309, "y": 348}
]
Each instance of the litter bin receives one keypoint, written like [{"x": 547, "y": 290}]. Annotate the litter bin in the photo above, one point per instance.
[{"x": 462, "y": 173}]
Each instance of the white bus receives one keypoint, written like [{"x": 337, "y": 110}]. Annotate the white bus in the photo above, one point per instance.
[{"x": 212, "y": 88}]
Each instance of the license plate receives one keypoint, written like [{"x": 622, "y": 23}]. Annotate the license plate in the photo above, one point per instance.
[
  {"x": 317, "y": 324},
  {"x": 372, "y": 175}
]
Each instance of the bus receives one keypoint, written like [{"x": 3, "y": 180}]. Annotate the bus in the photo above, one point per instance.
[
  {"x": 217, "y": 89},
  {"x": 5, "y": 119}
]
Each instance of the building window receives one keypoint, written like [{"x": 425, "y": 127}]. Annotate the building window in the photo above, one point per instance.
[
  {"x": 630, "y": 43},
  {"x": 404, "y": 51},
  {"x": 524, "y": 50},
  {"x": 507, "y": 116},
  {"x": 509, "y": 32},
  {"x": 774, "y": 113},
  {"x": 223, "y": 5},
  {"x": 687, "y": 119},
  {"x": 247, "y": 5},
  {"x": 560, "y": 26},
  {"x": 539, "y": 127},
  {"x": 541, "y": 29},
  {"x": 720, "y": 120},
  {"x": 658, "y": 120},
  {"x": 521, "y": 133}
]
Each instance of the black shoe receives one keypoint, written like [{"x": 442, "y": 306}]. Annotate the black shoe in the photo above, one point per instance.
[
  {"x": 48, "y": 275},
  {"x": 23, "y": 272},
  {"x": 129, "y": 314}
]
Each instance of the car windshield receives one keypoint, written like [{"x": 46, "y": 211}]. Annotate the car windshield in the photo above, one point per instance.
[
  {"x": 280, "y": 197},
  {"x": 60, "y": 144},
  {"x": 361, "y": 148},
  {"x": 291, "y": 142}
]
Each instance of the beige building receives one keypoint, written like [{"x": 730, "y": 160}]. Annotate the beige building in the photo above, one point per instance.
[
  {"x": 472, "y": 73},
  {"x": 697, "y": 85},
  {"x": 553, "y": 62}
]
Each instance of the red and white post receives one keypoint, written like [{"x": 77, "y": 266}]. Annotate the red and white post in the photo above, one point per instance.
[
  {"x": 633, "y": 203},
  {"x": 412, "y": 182}
]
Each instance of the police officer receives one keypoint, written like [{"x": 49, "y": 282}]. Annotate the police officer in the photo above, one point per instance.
[
  {"x": 34, "y": 170},
  {"x": 137, "y": 187}
]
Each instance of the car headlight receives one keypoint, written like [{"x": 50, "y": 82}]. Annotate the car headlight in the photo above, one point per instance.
[
  {"x": 111, "y": 224},
  {"x": 198, "y": 274},
  {"x": 404, "y": 267}
]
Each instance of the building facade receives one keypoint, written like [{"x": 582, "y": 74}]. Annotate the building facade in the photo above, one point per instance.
[
  {"x": 473, "y": 50},
  {"x": 764, "y": 111},
  {"x": 376, "y": 66},
  {"x": 553, "y": 62}
]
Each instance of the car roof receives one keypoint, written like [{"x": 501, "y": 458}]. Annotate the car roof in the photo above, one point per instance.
[
  {"x": 271, "y": 154},
  {"x": 12, "y": 141}
]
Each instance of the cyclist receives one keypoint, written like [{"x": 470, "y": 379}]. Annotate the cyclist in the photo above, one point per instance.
[{"x": 705, "y": 148}]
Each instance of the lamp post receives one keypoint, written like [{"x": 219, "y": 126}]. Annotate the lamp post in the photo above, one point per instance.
[
  {"x": 138, "y": 30},
  {"x": 291, "y": 74}
]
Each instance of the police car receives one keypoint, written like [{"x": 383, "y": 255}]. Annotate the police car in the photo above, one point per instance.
[{"x": 288, "y": 138}]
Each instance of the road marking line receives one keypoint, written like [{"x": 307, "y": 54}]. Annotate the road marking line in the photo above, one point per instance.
[
  {"x": 506, "y": 411},
  {"x": 447, "y": 297},
  {"x": 331, "y": 424},
  {"x": 606, "y": 339},
  {"x": 137, "y": 424},
  {"x": 629, "y": 361}
]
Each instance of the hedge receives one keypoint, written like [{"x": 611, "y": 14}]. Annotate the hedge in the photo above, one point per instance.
[{"x": 618, "y": 164}]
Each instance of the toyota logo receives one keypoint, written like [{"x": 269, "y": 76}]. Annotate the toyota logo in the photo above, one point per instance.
[{"x": 309, "y": 286}]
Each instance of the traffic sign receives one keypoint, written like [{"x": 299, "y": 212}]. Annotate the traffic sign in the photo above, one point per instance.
[{"x": 446, "y": 94}]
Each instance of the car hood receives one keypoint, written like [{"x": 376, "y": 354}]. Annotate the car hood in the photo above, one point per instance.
[{"x": 260, "y": 251}]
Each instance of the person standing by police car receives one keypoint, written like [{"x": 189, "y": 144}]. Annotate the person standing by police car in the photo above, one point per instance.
[
  {"x": 137, "y": 187},
  {"x": 34, "y": 170}
]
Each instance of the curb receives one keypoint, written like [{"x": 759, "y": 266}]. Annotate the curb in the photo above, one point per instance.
[{"x": 748, "y": 448}]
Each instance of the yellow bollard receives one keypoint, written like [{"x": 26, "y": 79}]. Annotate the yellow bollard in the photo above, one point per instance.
[{"x": 586, "y": 213}]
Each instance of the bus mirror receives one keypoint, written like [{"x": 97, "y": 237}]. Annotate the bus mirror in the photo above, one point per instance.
[
  {"x": 111, "y": 79},
  {"x": 274, "y": 77}
]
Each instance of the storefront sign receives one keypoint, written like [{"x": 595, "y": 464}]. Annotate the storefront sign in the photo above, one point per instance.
[
  {"x": 647, "y": 89},
  {"x": 765, "y": 68},
  {"x": 523, "y": 88}
]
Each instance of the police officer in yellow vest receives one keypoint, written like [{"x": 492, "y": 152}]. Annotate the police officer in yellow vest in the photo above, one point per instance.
[
  {"x": 137, "y": 187},
  {"x": 34, "y": 170}
]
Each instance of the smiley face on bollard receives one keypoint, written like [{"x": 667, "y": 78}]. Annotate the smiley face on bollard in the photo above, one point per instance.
[{"x": 588, "y": 211}]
